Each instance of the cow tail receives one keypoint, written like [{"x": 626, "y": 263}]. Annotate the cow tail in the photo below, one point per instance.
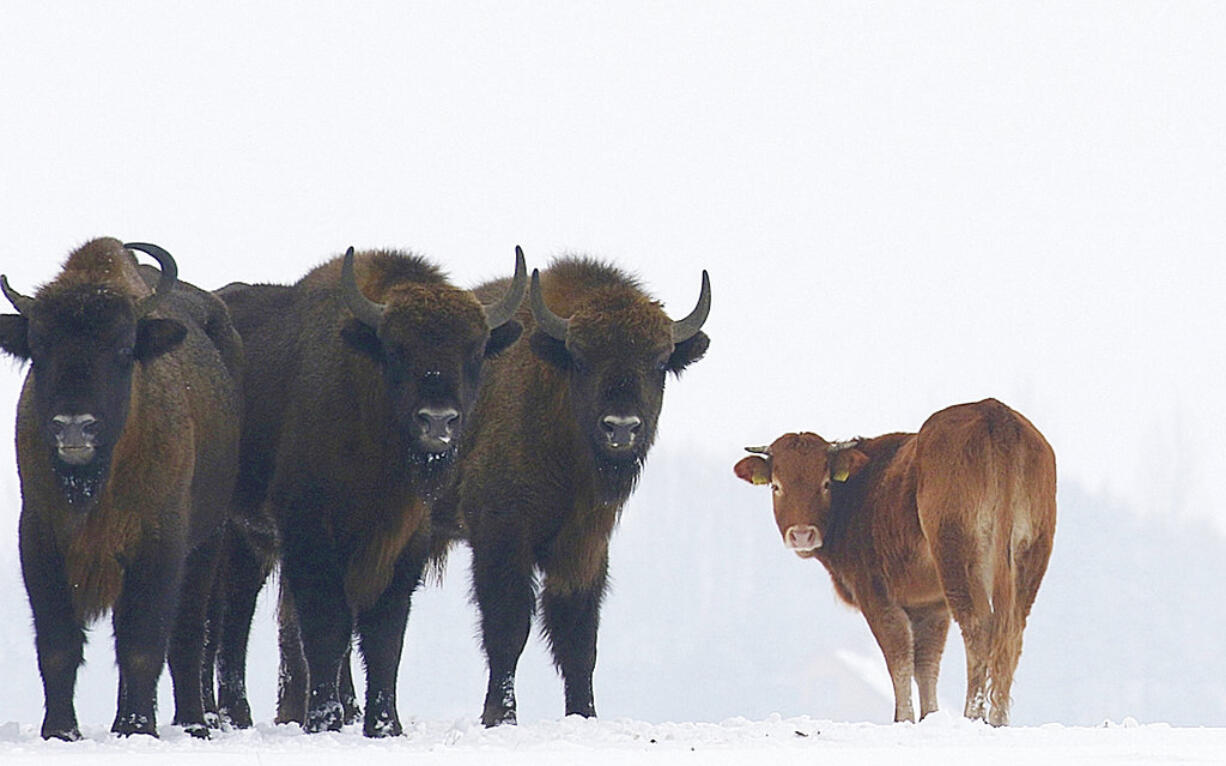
[{"x": 1005, "y": 640}]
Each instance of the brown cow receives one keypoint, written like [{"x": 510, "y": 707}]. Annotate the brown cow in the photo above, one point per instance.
[
  {"x": 958, "y": 517},
  {"x": 127, "y": 447}
]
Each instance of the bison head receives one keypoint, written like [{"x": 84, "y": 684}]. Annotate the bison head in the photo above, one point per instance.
[
  {"x": 84, "y": 335},
  {"x": 801, "y": 470},
  {"x": 617, "y": 348},
  {"x": 430, "y": 341}
]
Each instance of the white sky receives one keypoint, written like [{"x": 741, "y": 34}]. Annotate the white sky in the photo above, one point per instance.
[{"x": 902, "y": 205}]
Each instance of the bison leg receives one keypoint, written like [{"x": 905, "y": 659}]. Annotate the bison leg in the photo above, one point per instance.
[
  {"x": 348, "y": 694},
  {"x": 59, "y": 638},
  {"x": 929, "y": 627},
  {"x": 571, "y": 620},
  {"x": 292, "y": 674},
  {"x": 245, "y": 573},
  {"x": 142, "y": 618},
  {"x": 892, "y": 629},
  {"x": 314, "y": 577},
  {"x": 502, "y": 583},
  {"x": 381, "y": 636},
  {"x": 186, "y": 654}
]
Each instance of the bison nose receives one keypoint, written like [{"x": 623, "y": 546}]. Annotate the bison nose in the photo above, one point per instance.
[
  {"x": 438, "y": 426},
  {"x": 802, "y": 538},
  {"x": 621, "y": 430},
  {"x": 75, "y": 437}
]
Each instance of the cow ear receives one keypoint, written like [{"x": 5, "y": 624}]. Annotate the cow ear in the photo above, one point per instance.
[
  {"x": 846, "y": 463},
  {"x": 687, "y": 352},
  {"x": 753, "y": 469},
  {"x": 502, "y": 336},
  {"x": 550, "y": 349},
  {"x": 155, "y": 337},
  {"x": 362, "y": 338},
  {"x": 14, "y": 329}
]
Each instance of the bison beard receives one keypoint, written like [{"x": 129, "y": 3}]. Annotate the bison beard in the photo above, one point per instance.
[
  {"x": 82, "y": 484},
  {"x": 616, "y": 478}
]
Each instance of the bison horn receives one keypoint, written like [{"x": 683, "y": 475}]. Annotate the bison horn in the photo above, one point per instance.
[
  {"x": 759, "y": 450},
  {"x": 166, "y": 283},
  {"x": 553, "y": 325},
  {"x": 684, "y": 329},
  {"x": 498, "y": 314},
  {"x": 23, "y": 303},
  {"x": 367, "y": 311}
]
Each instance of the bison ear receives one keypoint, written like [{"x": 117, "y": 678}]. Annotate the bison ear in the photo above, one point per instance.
[
  {"x": 550, "y": 349},
  {"x": 362, "y": 338},
  {"x": 13, "y": 335},
  {"x": 687, "y": 352},
  {"x": 155, "y": 337},
  {"x": 753, "y": 469},
  {"x": 502, "y": 336},
  {"x": 846, "y": 463}
]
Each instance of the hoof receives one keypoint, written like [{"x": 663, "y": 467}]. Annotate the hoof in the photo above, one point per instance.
[
  {"x": 197, "y": 730},
  {"x": 492, "y": 718},
  {"x": 328, "y": 717},
  {"x": 237, "y": 716},
  {"x": 134, "y": 723},
  {"x": 71, "y": 734},
  {"x": 386, "y": 727}
]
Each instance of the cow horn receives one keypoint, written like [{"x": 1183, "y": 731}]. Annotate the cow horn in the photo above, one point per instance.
[
  {"x": 166, "y": 283},
  {"x": 23, "y": 303},
  {"x": 759, "y": 450},
  {"x": 498, "y": 314},
  {"x": 553, "y": 325},
  {"x": 687, "y": 328},
  {"x": 367, "y": 311}
]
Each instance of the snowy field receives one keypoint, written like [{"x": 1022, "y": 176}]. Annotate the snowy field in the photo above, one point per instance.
[{"x": 942, "y": 739}]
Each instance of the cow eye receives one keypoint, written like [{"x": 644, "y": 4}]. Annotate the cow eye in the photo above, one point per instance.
[
  {"x": 776, "y": 488},
  {"x": 826, "y": 485}
]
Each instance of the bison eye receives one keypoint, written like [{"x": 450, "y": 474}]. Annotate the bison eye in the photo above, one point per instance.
[{"x": 125, "y": 353}]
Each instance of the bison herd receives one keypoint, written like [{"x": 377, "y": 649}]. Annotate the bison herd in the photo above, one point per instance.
[{"x": 175, "y": 445}]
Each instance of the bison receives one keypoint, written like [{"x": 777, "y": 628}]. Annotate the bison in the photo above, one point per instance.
[
  {"x": 127, "y": 450},
  {"x": 360, "y": 379},
  {"x": 557, "y": 439},
  {"x": 956, "y": 518}
]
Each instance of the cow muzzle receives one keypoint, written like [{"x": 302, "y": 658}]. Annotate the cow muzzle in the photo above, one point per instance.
[
  {"x": 75, "y": 438},
  {"x": 802, "y": 538}
]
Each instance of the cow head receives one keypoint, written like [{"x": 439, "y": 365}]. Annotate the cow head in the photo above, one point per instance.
[
  {"x": 802, "y": 471},
  {"x": 616, "y": 349},
  {"x": 430, "y": 340},
  {"x": 84, "y": 334}
]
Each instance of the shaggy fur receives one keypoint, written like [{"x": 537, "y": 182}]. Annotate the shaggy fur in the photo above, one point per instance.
[
  {"x": 122, "y": 533},
  {"x": 537, "y": 489},
  {"x": 329, "y": 454}
]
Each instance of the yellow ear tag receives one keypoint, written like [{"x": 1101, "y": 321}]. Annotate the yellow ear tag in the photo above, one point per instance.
[
  {"x": 760, "y": 479},
  {"x": 842, "y": 475}
]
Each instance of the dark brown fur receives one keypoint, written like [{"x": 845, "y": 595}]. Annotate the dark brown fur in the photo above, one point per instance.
[
  {"x": 328, "y": 452},
  {"x": 536, "y": 489},
  {"x": 153, "y": 519},
  {"x": 958, "y": 517}
]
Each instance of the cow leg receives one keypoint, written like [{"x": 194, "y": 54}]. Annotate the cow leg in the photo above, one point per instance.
[
  {"x": 929, "y": 628},
  {"x": 502, "y": 583},
  {"x": 892, "y": 629},
  {"x": 571, "y": 619},
  {"x": 212, "y": 639},
  {"x": 59, "y": 638},
  {"x": 314, "y": 576},
  {"x": 381, "y": 640},
  {"x": 186, "y": 651},
  {"x": 245, "y": 576},
  {"x": 142, "y": 618}
]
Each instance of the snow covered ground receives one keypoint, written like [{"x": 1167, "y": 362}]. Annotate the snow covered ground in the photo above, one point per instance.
[{"x": 941, "y": 739}]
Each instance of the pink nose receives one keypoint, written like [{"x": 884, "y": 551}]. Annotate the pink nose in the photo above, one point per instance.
[{"x": 802, "y": 538}]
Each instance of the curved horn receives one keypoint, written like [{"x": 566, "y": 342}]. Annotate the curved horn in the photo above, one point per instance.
[
  {"x": 166, "y": 283},
  {"x": 367, "y": 311},
  {"x": 553, "y": 325},
  {"x": 687, "y": 328},
  {"x": 499, "y": 313},
  {"x": 23, "y": 303},
  {"x": 759, "y": 450}
]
